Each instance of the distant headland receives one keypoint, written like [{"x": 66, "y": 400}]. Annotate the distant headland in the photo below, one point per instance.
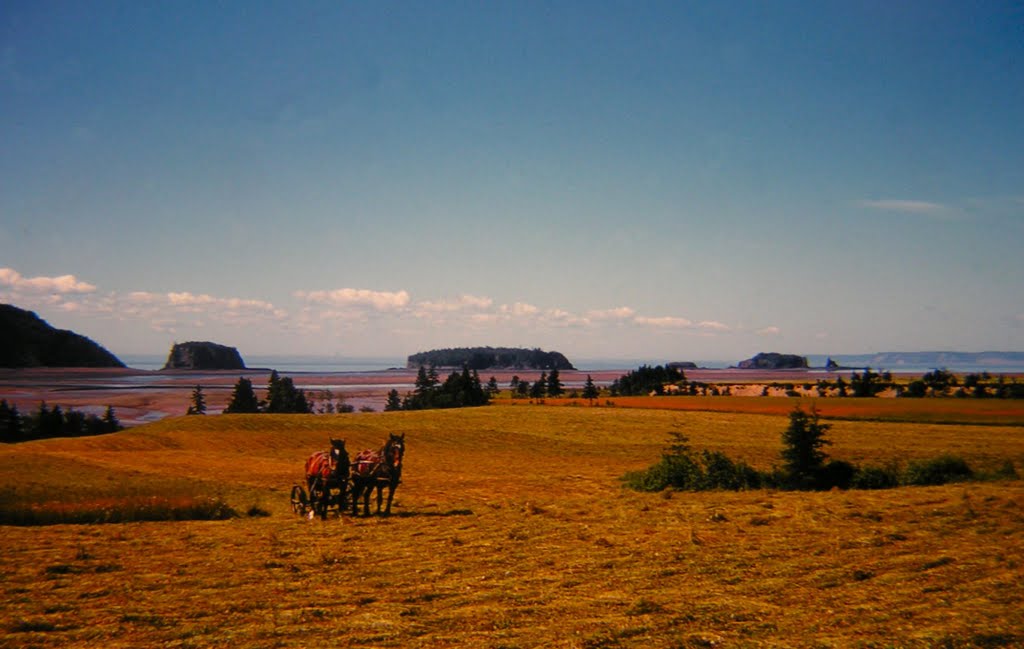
[{"x": 26, "y": 340}]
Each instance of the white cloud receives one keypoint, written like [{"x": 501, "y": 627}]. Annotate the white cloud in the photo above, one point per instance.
[
  {"x": 713, "y": 325},
  {"x": 618, "y": 313},
  {"x": 63, "y": 284},
  {"x": 668, "y": 322},
  {"x": 924, "y": 208},
  {"x": 769, "y": 331},
  {"x": 519, "y": 310},
  {"x": 357, "y": 297},
  {"x": 463, "y": 303}
]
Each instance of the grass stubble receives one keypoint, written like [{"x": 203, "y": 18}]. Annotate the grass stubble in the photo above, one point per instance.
[{"x": 512, "y": 530}]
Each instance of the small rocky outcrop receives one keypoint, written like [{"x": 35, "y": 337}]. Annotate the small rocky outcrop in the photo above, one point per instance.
[
  {"x": 203, "y": 356},
  {"x": 682, "y": 365},
  {"x": 774, "y": 361},
  {"x": 26, "y": 340}
]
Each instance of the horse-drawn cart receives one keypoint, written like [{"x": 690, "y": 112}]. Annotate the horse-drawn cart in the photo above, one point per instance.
[
  {"x": 331, "y": 479},
  {"x": 326, "y": 483},
  {"x": 320, "y": 500}
]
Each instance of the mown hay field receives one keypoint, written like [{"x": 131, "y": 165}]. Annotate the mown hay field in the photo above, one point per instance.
[{"x": 512, "y": 530}]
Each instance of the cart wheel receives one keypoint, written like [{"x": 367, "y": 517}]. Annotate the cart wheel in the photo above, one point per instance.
[
  {"x": 299, "y": 501},
  {"x": 318, "y": 498}
]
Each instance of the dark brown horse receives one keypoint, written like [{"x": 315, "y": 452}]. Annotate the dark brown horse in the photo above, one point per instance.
[
  {"x": 327, "y": 471},
  {"x": 376, "y": 470}
]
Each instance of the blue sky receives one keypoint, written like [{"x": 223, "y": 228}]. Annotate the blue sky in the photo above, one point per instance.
[{"x": 649, "y": 180}]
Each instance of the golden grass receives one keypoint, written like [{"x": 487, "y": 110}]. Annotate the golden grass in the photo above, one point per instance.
[
  {"x": 511, "y": 530},
  {"x": 935, "y": 410}
]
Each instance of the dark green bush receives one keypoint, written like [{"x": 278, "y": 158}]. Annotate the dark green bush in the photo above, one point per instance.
[
  {"x": 837, "y": 473},
  {"x": 937, "y": 471},
  {"x": 721, "y": 472},
  {"x": 875, "y": 477}
]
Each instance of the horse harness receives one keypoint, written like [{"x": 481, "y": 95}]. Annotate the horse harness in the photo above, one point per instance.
[{"x": 373, "y": 465}]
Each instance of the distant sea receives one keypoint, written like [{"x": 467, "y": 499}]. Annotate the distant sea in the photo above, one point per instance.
[{"x": 339, "y": 364}]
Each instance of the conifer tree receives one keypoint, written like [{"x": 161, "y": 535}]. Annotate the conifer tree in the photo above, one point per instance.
[
  {"x": 590, "y": 390},
  {"x": 393, "y": 403},
  {"x": 802, "y": 442},
  {"x": 555, "y": 388},
  {"x": 243, "y": 398},
  {"x": 540, "y": 386},
  {"x": 198, "y": 405},
  {"x": 110, "y": 422},
  {"x": 10, "y": 423}
]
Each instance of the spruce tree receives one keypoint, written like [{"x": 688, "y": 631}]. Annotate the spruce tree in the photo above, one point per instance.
[
  {"x": 198, "y": 406},
  {"x": 802, "y": 442},
  {"x": 393, "y": 403},
  {"x": 243, "y": 398},
  {"x": 110, "y": 422},
  {"x": 555, "y": 388},
  {"x": 590, "y": 391}
]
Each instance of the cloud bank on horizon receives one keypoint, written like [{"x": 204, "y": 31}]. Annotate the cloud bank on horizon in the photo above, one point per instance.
[
  {"x": 675, "y": 181},
  {"x": 321, "y": 314}
]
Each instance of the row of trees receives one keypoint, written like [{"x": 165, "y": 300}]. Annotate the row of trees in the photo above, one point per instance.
[
  {"x": 282, "y": 397},
  {"x": 460, "y": 390},
  {"x": 53, "y": 422},
  {"x": 805, "y": 466},
  {"x": 660, "y": 380}
]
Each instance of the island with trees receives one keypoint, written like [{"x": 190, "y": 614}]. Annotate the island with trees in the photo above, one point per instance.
[
  {"x": 203, "y": 356},
  {"x": 491, "y": 358}
]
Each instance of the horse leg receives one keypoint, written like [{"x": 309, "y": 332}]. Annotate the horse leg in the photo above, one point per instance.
[
  {"x": 380, "y": 496},
  {"x": 367, "y": 490},
  {"x": 391, "y": 496},
  {"x": 356, "y": 490}
]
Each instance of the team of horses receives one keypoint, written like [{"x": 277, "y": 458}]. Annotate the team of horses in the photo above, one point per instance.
[{"x": 333, "y": 479}]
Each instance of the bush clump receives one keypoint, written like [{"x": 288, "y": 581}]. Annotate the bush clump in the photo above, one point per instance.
[
  {"x": 123, "y": 510},
  {"x": 938, "y": 471},
  {"x": 684, "y": 470}
]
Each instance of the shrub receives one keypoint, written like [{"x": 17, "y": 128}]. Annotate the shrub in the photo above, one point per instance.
[
  {"x": 1006, "y": 472},
  {"x": 721, "y": 472},
  {"x": 874, "y": 477},
  {"x": 837, "y": 473},
  {"x": 683, "y": 470},
  {"x": 802, "y": 441},
  {"x": 937, "y": 471},
  {"x": 118, "y": 510}
]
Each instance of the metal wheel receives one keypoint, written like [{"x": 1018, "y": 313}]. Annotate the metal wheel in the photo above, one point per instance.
[
  {"x": 319, "y": 499},
  {"x": 299, "y": 501}
]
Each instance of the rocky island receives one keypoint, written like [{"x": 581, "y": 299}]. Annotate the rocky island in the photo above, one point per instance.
[
  {"x": 203, "y": 356},
  {"x": 774, "y": 361}
]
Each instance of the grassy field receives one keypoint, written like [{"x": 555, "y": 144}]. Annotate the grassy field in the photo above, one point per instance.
[{"x": 512, "y": 530}]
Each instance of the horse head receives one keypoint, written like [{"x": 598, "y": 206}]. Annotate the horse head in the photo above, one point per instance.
[
  {"x": 339, "y": 456},
  {"x": 394, "y": 451}
]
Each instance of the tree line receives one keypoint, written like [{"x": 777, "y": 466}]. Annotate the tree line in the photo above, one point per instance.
[
  {"x": 282, "y": 397},
  {"x": 48, "y": 422},
  {"x": 460, "y": 390},
  {"x": 662, "y": 380}
]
